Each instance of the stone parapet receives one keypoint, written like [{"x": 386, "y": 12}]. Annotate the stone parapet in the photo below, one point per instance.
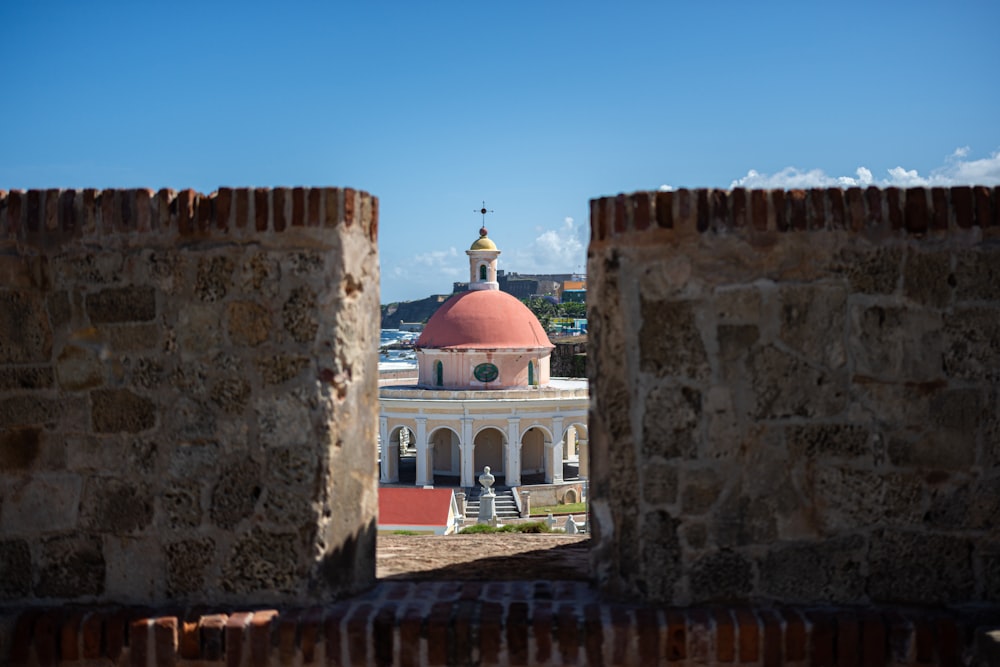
[
  {"x": 795, "y": 395},
  {"x": 495, "y": 395},
  {"x": 497, "y": 623},
  {"x": 184, "y": 381}
]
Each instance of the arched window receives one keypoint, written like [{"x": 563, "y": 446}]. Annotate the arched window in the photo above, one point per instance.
[
  {"x": 531, "y": 373},
  {"x": 482, "y": 272},
  {"x": 438, "y": 373}
]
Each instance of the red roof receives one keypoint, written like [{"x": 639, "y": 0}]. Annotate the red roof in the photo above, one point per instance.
[
  {"x": 483, "y": 319},
  {"x": 409, "y": 506}
]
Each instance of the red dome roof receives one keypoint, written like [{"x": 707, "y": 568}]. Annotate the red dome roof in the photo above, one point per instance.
[{"x": 483, "y": 319}]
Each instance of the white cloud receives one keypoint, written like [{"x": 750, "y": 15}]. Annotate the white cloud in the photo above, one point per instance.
[
  {"x": 559, "y": 250},
  {"x": 666, "y": 188},
  {"x": 957, "y": 170}
]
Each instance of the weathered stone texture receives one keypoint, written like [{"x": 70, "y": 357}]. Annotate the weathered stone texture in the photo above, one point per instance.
[
  {"x": 807, "y": 402},
  {"x": 164, "y": 425}
]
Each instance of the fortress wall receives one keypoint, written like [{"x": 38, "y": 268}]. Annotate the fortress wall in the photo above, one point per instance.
[
  {"x": 183, "y": 385},
  {"x": 796, "y": 395}
]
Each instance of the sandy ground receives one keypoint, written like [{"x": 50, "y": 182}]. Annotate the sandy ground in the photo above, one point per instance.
[{"x": 499, "y": 557}]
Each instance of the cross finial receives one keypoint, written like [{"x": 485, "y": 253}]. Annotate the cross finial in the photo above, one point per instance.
[{"x": 483, "y": 211}]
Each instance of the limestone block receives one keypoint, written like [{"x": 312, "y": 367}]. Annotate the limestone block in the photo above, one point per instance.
[
  {"x": 895, "y": 343},
  {"x": 299, "y": 315},
  {"x": 247, "y": 323},
  {"x": 70, "y": 566},
  {"x": 971, "y": 344},
  {"x": 79, "y": 369},
  {"x": 122, "y": 304},
  {"x": 199, "y": 330},
  {"x": 927, "y": 278},
  {"x": 235, "y": 493},
  {"x": 977, "y": 274},
  {"x": 871, "y": 270},
  {"x": 19, "y": 448},
  {"x": 25, "y": 335},
  {"x": 919, "y": 568},
  {"x": 115, "y": 506},
  {"x": 120, "y": 410},
  {"x": 15, "y": 569},
  {"x": 26, "y": 377},
  {"x": 812, "y": 322},
  {"x": 282, "y": 421},
  {"x": 701, "y": 489},
  {"x": 934, "y": 450},
  {"x": 672, "y": 415},
  {"x": 842, "y": 441},
  {"x": 263, "y": 561},
  {"x": 60, "y": 309},
  {"x": 670, "y": 343},
  {"x": 741, "y": 520},
  {"x": 187, "y": 565},
  {"x": 658, "y": 544},
  {"x": 181, "y": 505},
  {"x": 659, "y": 483},
  {"x": 88, "y": 268},
  {"x": 231, "y": 394},
  {"x": 721, "y": 576},
  {"x": 784, "y": 385},
  {"x": 278, "y": 369},
  {"x": 43, "y": 503},
  {"x": 972, "y": 506},
  {"x": 132, "y": 568},
  {"x": 822, "y": 571},
  {"x": 214, "y": 279},
  {"x": 122, "y": 338},
  {"x": 260, "y": 273}
]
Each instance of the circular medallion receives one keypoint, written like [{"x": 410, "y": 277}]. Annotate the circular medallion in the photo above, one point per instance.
[{"x": 486, "y": 372}]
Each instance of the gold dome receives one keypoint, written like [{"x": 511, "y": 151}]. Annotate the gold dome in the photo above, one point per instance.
[{"x": 483, "y": 243}]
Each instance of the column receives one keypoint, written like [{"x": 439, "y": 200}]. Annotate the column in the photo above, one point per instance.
[
  {"x": 468, "y": 454},
  {"x": 554, "y": 453},
  {"x": 584, "y": 457},
  {"x": 383, "y": 458},
  {"x": 513, "y": 459},
  {"x": 424, "y": 474}
]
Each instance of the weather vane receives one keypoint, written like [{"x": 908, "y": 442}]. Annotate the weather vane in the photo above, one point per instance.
[{"x": 483, "y": 211}]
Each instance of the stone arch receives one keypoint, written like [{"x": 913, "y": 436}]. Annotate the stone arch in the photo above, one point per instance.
[
  {"x": 489, "y": 443},
  {"x": 482, "y": 272},
  {"x": 438, "y": 373},
  {"x": 444, "y": 452},
  {"x": 402, "y": 444},
  {"x": 533, "y": 441},
  {"x": 573, "y": 434}
]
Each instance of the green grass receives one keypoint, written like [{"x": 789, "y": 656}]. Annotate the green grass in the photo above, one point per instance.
[
  {"x": 532, "y": 527},
  {"x": 568, "y": 508}
]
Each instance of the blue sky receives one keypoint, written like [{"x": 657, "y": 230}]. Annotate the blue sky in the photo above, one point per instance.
[{"x": 536, "y": 107}]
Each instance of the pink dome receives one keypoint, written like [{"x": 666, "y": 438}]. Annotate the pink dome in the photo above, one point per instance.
[{"x": 483, "y": 320}]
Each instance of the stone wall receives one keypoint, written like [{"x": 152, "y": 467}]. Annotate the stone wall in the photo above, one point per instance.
[
  {"x": 796, "y": 395},
  {"x": 569, "y": 357},
  {"x": 183, "y": 385}
]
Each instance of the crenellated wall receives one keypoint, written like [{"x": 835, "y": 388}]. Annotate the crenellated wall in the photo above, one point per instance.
[
  {"x": 181, "y": 379},
  {"x": 796, "y": 395}
]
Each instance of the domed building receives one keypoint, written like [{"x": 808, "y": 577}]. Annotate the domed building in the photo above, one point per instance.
[{"x": 483, "y": 395}]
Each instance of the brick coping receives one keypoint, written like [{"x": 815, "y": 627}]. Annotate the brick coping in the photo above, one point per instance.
[{"x": 493, "y": 622}]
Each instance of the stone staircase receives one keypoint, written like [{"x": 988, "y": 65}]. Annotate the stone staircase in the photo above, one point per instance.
[{"x": 506, "y": 507}]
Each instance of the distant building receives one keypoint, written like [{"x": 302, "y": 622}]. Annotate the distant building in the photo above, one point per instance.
[
  {"x": 432, "y": 511},
  {"x": 574, "y": 296}
]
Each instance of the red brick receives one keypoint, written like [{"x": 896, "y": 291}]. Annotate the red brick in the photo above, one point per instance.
[
  {"x": 687, "y": 214},
  {"x": 373, "y": 229},
  {"x": 699, "y": 637},
  {"x": 676, "y": 636},
  {"x": 357, "y": 633},
  {"x": 69, "y": 641},
  {"x": 517, "y": 633},
  {"x": 126, "y": 221},
  {"x": 279, "y": 199},
  {"x": 899, "y": 636},
  {"x": 720, "y": 213},
  {"x": 163, "y": 202},
  {"x": 15, "y": 209},
  {"x": 490, "y": 632},
  {"x": 797, "y": 209},
  {"x": 779, "y": 204},
  {"x": 593, "y": 634},
  {"x": 33, "y": 217},
  {"x": 854, "y": 209},
  {"x": 983, "y": 205},
  {"x": 139, "y": 649},
  {"x": 189, "y": 638},
  {"x": 816, "y": 217},
  {"x": 51, "y": 210},
  {"x": 873, "y": 640},
  {"x": 383, "y": 633},
  {"x": 748, "y": 631},
  {"x": 725, "y": 635},
  {"x": 165, "y": 635},
  {"x": 772, "y": 637},
  {"x": 48, "y": 628},
  {"x": 876, "y": 198},
  {"x": 665, "y": 209},
  {"x": 185, "y": 205},
  {"x": 963, "y": 205},
  {"x": 738, "y": 207},
  {"x": 795, "y": 636},
  {"x": 949, "y": 643},
  {"x": 223, "y": 208},
  {"x": 333, "y": 206},
  {"x": 285, "y": 630},
  {"x": 261, "y": 629},
  {"x": 758, "y": 209},
  {"x": 924, "y": 639},
  {"x": 996, "y": 207},
  {"x": 261, "y": 208},
  {"x": 410, "y": 623},
  {"x": 703, "y": 212},
  {"x": 24, "y": 629},
  {"x": 298, "y": 207},
  {"x": 236, "y": 637},
  {"x": 115, "y": 631},
  {"x": 917, "y": 219},
  {"x": 542, "y": 628},
  {"x": 894, "y": 207},
  {"x": 822, "y": 636},
  {"x": 622, "y": 631},
  {"x": 310, "y": 629},
  {"x": 204, "y": 212},
  {"x": 91, "y": 635},
  {"x": 620, "y": 221},
  {"x": 939, "y": 208},
  {"x": 567, "y": 631},
  {"x": 212, "y": 629},
  {"x": 837, "y": 215},
  {"x": 641, "y": 214},
  {"x": 143, "y": 209},
  {"x": 350, "y": 206},
  {"x": 848, "y": 640}
]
